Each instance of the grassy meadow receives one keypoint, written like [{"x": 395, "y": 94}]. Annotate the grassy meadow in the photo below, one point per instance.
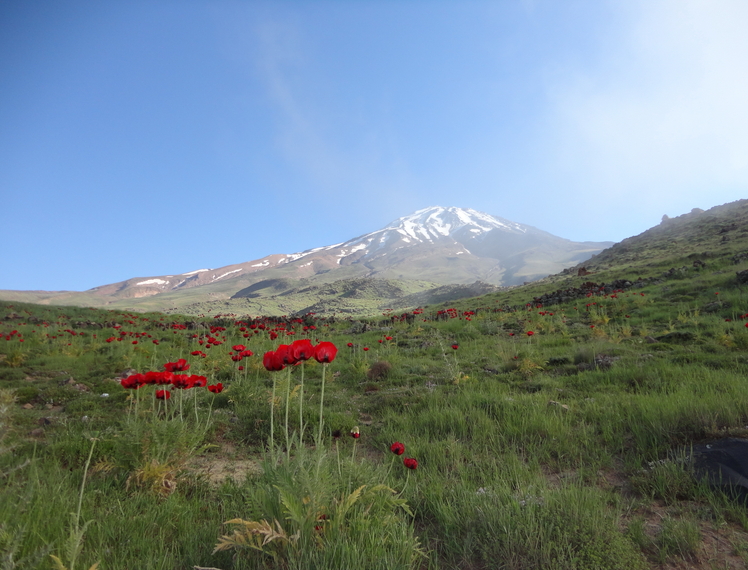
[{"x": 553, "y": 436}]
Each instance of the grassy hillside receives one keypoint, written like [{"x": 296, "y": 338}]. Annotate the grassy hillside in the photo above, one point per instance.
[{"x": 552, "y": 427}]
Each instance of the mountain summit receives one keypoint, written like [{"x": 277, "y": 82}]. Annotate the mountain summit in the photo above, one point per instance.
[
  {"x": 457, "y": 245},
  {"x": 437, "y": 222}
]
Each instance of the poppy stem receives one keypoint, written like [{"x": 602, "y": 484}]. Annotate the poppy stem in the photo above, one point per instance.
[
  {"x": 301, "y": 407},
  {"x": 390, "y": 469},
  {"x": 197, "y": 418},
  {"x": 321, "y": 405},
  {"x": 288, "y": 399},
  {"x": 181, "y": 407},
  {"x": 407, "y": 478},
  {"x": 272, "y": 415}
]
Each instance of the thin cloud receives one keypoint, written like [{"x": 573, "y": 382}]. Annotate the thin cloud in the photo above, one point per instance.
[{"x": 663, "y": 114}]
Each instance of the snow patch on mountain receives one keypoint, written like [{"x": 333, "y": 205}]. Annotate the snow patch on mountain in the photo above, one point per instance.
[{"x": 225, "y": 274}]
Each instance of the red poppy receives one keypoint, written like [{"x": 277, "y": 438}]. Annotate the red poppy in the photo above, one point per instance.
[
  {"x": 216, "y": 388},
  {"x": 455, "y": 346},
  {"x": 283, "y": 352},
  {"x": 181, "y": 381},
  {"x": 163, "y": 394},
  {"x": 530, "y": 333},
  {"x": 350, "y": 345},
  {"x": 397, "y": 448},
  {"x": 198, "y": 381},
  {"x": 366, "y": 348},
  {"x": 302, "y": 349},
  {"x": 271, "y": 362},
  {"x": 410, "y": 463},
  {"x": 511, "y": 334},
  {"x": 325, "y": 352},
  {"x": 178, "y": 366},
  {"x": 388, "y": 338},
  {"x": 355, "y": 433},
  {"x": 238, "y": 347},
  {"x": 133, "y": 382}
]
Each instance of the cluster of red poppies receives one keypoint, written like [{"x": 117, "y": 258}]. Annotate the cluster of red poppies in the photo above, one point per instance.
[
  {"x": 398, "y": 449},
  {"x": 169, "y": 378},
  {"x": 241, "y": 352},
  {"x": 297, "y": 352}
]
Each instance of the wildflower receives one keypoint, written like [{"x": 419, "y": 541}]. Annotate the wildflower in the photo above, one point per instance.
[
  {"x": 410, "y": 463},
  {"x": 132, "y": 382},
  {"x": 163, "y": 394},
  {"x": 325, "y": 352},
  {"x": 397, "y": 448},
  {"x": 355, "y": 433},
  {"x": 285, "y": 355},
  {"x": 350, "y": 345},
  {"x": 455, "y": 346},
  {"x": 302, "y": 349},
  {"x": 530, "y": 333},
  {"x": 366, "y": 348},
  {"x": 178, "y": 366},
  {"x": 216, "y": 388},
  {"x": 198, "y": 381},
  {"x": 181, "y": 381},
  {"x": 271, "y": 362}
]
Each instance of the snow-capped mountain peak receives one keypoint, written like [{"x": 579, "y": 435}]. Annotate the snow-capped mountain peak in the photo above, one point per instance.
[
  {"x": 437, "y": 221},
  {"x": 449, "y": 245}
]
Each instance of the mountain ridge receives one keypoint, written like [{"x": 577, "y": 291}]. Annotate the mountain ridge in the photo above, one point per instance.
[{"x": 438, "y": 245}]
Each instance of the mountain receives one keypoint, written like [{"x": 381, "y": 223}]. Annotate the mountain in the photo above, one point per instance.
[{"x": 434, "y": 246}]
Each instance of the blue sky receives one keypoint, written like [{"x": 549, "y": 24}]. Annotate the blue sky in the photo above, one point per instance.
[{"x": 145, "y": 138}]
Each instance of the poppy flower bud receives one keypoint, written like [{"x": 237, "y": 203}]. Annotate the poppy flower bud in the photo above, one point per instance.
[{"x": 355, "y": 434}]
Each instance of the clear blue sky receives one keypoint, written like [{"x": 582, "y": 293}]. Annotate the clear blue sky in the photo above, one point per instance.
[{"x": 142, "y": 138}]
